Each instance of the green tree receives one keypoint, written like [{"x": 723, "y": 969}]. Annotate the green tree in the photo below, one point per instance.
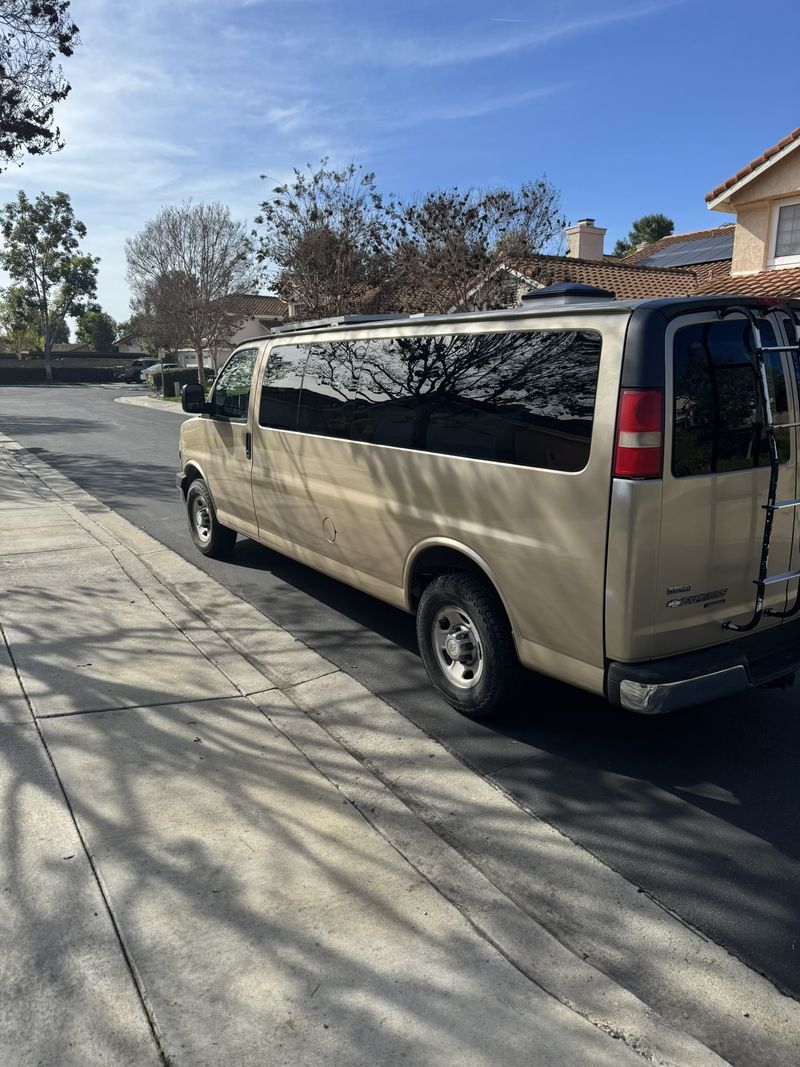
[
  {"x": 96, "y": 329},
  {"x": 33, "y": 33},
  {"x": 645, "y": 230},
  {"x": 17, "y": 321},
  {"x": 61, "y": 334},
  {"x": 42, "y": 256}
]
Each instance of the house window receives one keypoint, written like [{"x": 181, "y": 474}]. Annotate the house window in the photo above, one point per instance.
[{"x": 786, "y": 234}]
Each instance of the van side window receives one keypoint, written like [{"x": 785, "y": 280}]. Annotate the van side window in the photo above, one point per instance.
[
  {"x": 525, "y": 398},
  {"x": 718, "y": 418},
  {"x": 231, "y": 395},
  {"x": 329, "y": 381},
  {"x": 280, "y": 389}
]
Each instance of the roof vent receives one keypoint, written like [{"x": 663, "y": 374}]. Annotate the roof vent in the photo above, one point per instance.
[{"x": 566, "y": 293}]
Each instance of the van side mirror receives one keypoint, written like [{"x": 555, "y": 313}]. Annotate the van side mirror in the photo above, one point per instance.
[{"x": 193, "y": 399}]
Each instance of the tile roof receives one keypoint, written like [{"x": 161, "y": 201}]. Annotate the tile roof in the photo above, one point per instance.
[
  {"x": 626, "y": 282},
  {"x": 705, "y": 272},
  {"x": 782, "y": 283},
  {"x": 676, "y": 238},
  {"x": 754, "y": 164},
  {"x": 252, "y": 305}
]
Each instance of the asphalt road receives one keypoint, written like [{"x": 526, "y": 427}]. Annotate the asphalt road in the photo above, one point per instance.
[{"x": 699, "y": 809}]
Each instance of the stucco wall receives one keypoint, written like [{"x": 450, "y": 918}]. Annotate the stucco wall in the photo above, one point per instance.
[
  {"x": 750, "y": 239},
  {"x": 781, "y": 180},
  {"x": 755, "y": 205}
]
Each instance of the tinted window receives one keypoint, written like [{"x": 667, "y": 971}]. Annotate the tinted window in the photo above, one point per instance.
[
  {"x": 326, "y": 402},
  {"x": 231, "y": 395},
  {"x": 280, "y": 390},
  {"x": 718, "y": 413},
  {"x": 525, "y": 398}
]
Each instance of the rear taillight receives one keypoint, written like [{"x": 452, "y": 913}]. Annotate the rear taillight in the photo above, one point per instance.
[{"x": 640, "y": 434}]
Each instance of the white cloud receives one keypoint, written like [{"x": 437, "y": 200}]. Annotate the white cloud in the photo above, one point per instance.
[
  {"x": 176, "y": 99},
  {"x": 479, "y": 44}
]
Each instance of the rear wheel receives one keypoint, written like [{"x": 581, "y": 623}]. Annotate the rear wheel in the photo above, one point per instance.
[
  {"x": 209, "y": 535},
  {"x": 466, "y": 644}
]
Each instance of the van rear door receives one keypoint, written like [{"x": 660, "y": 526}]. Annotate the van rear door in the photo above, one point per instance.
[{"x": 716, "y": 479}]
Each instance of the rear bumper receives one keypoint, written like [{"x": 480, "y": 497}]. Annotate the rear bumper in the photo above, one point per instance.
[
  {"x": 691, "y": 678},
  {"x": 180, "y": 481}
]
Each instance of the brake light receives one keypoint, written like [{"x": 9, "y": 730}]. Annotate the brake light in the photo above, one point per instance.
[{"x": 640, "y": 434}]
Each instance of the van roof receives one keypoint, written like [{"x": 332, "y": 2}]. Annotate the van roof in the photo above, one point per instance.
[{"x": 664, "y": 308}]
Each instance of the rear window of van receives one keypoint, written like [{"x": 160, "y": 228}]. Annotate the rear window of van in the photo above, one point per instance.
[{"x": 718, "y": 416}]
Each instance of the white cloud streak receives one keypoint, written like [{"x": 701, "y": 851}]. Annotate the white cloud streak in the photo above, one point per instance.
[{"x": 176, "y": 99}]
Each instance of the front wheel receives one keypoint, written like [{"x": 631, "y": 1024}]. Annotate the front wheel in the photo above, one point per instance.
[
  {"x": 209, "y": 535},
  {"x": 466, "y": 644}
]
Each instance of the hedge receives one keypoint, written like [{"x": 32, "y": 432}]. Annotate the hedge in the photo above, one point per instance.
[
  {"x": 20, "y": 374},
  {"x": 173, "y": 376}
]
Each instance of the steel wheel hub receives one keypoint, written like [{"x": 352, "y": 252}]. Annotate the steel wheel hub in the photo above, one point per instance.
[
  {"x": 202, "y": 519},
  {"x": 457, "y": 646}
]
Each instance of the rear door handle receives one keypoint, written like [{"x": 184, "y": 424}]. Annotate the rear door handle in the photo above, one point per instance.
[{"x": 248, "y": 444}]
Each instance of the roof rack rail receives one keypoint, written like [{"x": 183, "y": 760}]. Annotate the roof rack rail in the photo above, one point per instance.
[{"x": 335, "y": 320}]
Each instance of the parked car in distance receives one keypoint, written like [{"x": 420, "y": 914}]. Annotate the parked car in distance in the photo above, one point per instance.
[
  {"x": 155, "y": 367},
  {"x": 133, "y": 373}
]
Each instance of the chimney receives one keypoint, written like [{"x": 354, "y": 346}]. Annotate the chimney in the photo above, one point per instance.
[{"x": 585, "y": 240}]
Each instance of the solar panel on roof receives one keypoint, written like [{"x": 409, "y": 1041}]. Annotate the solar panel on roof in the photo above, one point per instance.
[{"x": 687, "y": 253}]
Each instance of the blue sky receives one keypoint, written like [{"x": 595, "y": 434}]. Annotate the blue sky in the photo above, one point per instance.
[{"x": 628, "y": 106}]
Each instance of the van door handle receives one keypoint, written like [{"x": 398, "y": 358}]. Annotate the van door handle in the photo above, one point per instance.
[{"x": 248, "y": 444}]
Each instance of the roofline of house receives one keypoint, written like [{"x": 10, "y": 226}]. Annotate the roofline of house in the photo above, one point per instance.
[{"x": 721, "y": 194}]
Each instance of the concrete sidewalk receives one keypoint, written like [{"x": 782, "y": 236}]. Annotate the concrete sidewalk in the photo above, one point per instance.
[{"x": 201, "y": 861}]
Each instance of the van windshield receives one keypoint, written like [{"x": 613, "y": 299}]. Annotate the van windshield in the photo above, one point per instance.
[{"x": 718, "y": 414}]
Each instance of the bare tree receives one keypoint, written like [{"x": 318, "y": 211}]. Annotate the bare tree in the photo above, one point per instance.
[
  {"x": 153, "y": 318},
  {"x": 326, "y": 236},
  {"x": 32, "y": 34},
  {"x": 183, "y": 265},
  {"x": 448, "y": 241}
]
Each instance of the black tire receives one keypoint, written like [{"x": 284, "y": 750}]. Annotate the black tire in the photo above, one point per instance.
[
  {"x": 484, "y": 676},
  {"x": 209, "y": 535}
]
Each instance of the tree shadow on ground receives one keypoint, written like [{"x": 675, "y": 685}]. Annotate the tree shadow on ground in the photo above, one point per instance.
[
  {"x": 21, "y": 425},
  {"x": 259, "y": 909},
  {"x": 112, "y": 480},
  {"x": 712, "y": 789}
]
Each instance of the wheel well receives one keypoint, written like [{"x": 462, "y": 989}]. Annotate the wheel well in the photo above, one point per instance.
[
  {"x": 436, "y": 560},
  {"x": 192, "y": 474}
]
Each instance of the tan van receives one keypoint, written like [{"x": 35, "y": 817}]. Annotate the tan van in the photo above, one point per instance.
[{"x": 604, "y": 491}]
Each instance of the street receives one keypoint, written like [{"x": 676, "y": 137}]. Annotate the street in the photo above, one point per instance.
[{"x": 698, "y": 810}]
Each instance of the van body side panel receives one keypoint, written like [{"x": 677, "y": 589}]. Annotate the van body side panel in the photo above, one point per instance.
[
  {"x": 546, "y": 660},
  {"x": 364, "y": 508},
  {"x": 391, "y": 594},
  {"x": 218, "y": 448},
  {"x": 634, "y": 535}
]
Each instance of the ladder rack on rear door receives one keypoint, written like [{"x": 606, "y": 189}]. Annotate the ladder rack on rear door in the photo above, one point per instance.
[{"x": 772, "y": 506}]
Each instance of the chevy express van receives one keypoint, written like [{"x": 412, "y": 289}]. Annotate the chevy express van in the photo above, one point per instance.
[{"x": 604, "y": 491}]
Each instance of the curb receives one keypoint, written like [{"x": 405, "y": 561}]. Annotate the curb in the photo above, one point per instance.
[
  {"x": 458, "y": 830},
  {"x": 151, "y": 402}
]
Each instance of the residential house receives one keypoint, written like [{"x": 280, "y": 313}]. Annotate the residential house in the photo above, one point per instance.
[
  {"x": 253, "y": 315},
  {"x": 130, "y": 345},
  {"x": 259, "y": 315},
  {"x": 758, "y": 253},
  {"x": 585, "y": 262}
]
